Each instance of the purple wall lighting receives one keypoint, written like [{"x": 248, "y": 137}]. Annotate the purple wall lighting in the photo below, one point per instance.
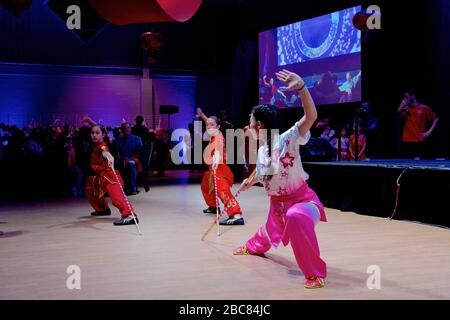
[
  {"x": 30, "y": 94},
  {"x": 179, "y": 91}
]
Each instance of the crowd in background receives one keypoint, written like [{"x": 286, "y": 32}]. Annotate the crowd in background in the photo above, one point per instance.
[
  {"x": 354, "y": 140},
  {"x": 53, "y": 160}
]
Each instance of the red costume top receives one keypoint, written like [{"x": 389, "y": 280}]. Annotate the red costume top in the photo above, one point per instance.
[
  {"x": 217, "y": 142},
  {"x": 105, "y": 180},
  {"x": 100, "y": 165},
  {"x": 416, "y": 122},
  {"x": 352, "y": 146}
]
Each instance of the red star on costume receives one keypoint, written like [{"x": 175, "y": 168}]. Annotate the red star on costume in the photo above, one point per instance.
[
  {"x": 287, "y": 160},
  {"x": 287, "y": 142},
  {"x": 282, "y": 191}
]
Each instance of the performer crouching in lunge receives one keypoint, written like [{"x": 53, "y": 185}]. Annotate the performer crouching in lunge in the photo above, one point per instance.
[
  {"x": 294, "y": 208},
  {"x": 106, "y": 180},
  {"x": 216, "y": 150}
]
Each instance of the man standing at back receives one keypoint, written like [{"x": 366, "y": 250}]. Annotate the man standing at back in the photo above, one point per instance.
[
  {"x": 416, "y": 129},
  {"x": 140, "y": 129}
]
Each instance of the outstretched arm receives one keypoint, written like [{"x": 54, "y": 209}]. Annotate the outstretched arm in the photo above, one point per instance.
[
  {"x": 249, "y": 182},
  {"x": 201, "y": 114},
  {"x": 89, "y": 121},
  {"x": 356, "y": 79},
  {"x": 295, "y": 82}
]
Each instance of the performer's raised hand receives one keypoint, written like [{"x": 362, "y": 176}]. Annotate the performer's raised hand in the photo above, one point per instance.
[
  {"x": 89, "y": 121},
  {"x": 293, "y": 80},
  {"x": 201, "y": 115}
]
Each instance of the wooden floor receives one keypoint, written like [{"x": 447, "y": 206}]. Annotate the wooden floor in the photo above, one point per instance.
[{"x": 169, "y": 261}]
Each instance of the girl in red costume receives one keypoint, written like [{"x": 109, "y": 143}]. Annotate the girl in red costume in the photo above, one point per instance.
[
  {"x": 215, "y": 151},
  {"x": 106, "y": 180}
]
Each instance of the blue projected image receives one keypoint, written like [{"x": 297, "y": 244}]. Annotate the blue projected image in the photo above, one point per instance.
[
  {"x": 325, "y": 51},
  {"x": 326, "y": 36}
]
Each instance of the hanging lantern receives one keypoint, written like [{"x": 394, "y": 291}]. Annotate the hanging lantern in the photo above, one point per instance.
[
  {"x": 360, "y": 20},
  {"x": 16, "y": 6},
  {"x": 151, "y": 41},
  {"x": 122, "y": 12}
]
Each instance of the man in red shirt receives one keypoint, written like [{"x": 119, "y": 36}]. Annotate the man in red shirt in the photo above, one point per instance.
[{"x": 416, "y": 129}]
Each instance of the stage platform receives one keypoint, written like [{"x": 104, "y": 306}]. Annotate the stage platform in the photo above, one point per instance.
[
  {"x": 43, "y": 238},
  {"x": 370, "y": 187}
]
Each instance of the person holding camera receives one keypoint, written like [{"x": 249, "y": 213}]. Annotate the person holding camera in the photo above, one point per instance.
[{"x": 416, "y": 117}]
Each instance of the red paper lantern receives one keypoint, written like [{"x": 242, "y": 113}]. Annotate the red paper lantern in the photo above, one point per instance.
[
  {"x": 360, "y": 20},
  {"x": 16, "y": 6},
  {"x": 122, "y": 12}
]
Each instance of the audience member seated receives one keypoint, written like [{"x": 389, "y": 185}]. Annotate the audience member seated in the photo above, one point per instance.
[{"x": 129, "y": 147}]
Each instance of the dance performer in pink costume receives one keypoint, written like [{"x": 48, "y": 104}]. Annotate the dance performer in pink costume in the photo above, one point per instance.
[{"x": 294, "y": 208}]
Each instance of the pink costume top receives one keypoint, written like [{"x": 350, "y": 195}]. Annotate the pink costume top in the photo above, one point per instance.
[{"x": 284, "y": 180}]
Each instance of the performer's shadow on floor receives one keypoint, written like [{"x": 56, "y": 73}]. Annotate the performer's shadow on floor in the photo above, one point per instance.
[
  {"x": 12, "y": 234},
  {"x": 85, "y": 222},
  {"x": 342, "y": 279},
  {"x": 223, "y": 230},
  {"x": 93, "y": 223},
  {"x": 337, "y": 278}
]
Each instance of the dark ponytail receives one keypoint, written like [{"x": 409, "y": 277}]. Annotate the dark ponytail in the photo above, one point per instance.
[{"x": 270, "y": 117}]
